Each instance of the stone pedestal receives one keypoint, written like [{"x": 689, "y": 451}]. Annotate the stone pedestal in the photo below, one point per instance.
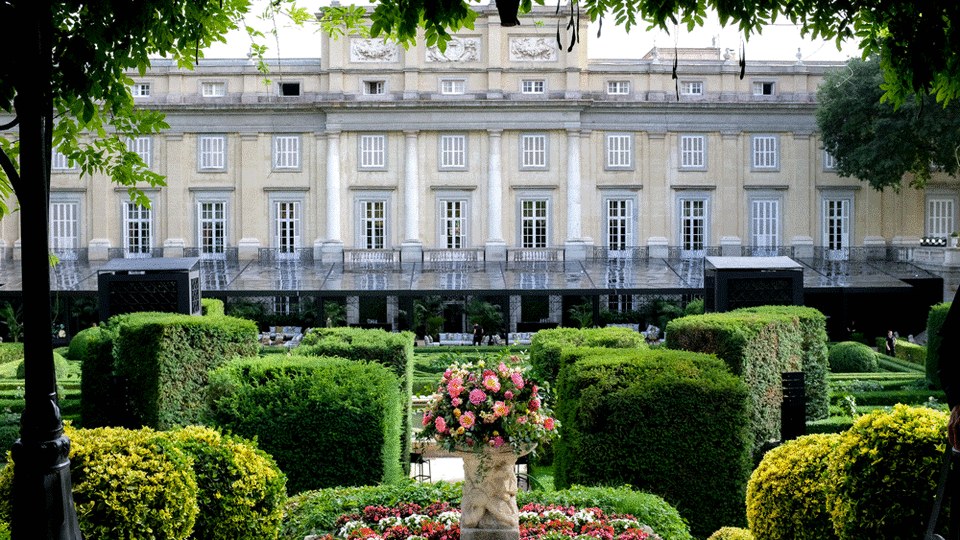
[{"x": 489, "y": 505}]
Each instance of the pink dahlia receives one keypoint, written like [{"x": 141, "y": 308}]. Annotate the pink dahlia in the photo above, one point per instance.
[
  {"x": 467, "y": 420},
  {"x": 508, "y": 394},
  {"x": 455, "y": 386},
  {"x": 441, "y": 424},
  {"x": 501, "y": 409},
  {"x": 491, "y": 383},
  {"x": 497, "y": 441},
  {"x": 534, "y": 405},
  {"x": 517, "y": 380},
  {"x": 548, "y": 423},
  {"x": 502, "y": 368},
  {"x": 426, "y": 418},
  {"x": 477, "y": 396}
]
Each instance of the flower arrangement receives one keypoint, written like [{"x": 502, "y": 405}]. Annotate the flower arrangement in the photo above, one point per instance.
[
  {"x": 439, "y": 521},
  {"x": 477, "y": 406}
]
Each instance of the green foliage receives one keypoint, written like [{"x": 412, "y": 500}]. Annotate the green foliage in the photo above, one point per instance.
[
  {"x": 582, "y": 314},
  {"x": 336, "y": 313},
  {"x": 241, "y": 491},
  {"x": 127, "y": 485},
  {"x": 624, "y": 413},
  {"x": 786, "y": 496},
  {"x": 316, "y": 512},
  {"x": 212, "y": 307},
  {"x": 313, "y": 415},
  {"x": 59, "y": 367},
  {"x": 912, "y": 352},
  {"x": 852, "y": 357},
  {"x": 93, "y": 347},
  {"x": 487, "y": 315},
  {"x": 731, "y": 533},
  {"x": 880, "y": 142},
  {"x": 694, "y": 307},
  {"x": 166, "y": 358},
  {"x": 82, "y": 342},
  {"x": 935, "y": 319},
  {"x": 10, "y": 352},
  {"x": 884, "y": 472},
  {"x": 758, "y": 346},
  {"x": 547, "y": 346},
  {"x": 11, "y": 318}
]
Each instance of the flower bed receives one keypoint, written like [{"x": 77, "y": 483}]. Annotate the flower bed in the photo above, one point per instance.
[{"x": 440, "y": 521}]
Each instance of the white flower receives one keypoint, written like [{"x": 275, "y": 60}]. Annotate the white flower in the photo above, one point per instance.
[
  {"x": 529, "y": 518},
  {"x": 550, "y": 515},
  {"x": 388, "y": 522},
  {"x": 414, "y": 519},
  {"x": 349, "y": 527},
  {"x": 449, "y": 518}
]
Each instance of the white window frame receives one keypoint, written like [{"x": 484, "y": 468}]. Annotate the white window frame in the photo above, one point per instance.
[
  {"x": 373, "y": 87},
  {"x": 140, "y": 244},
  {"x": 940, "y": 214},
  {"x": 691, "y": 88},
  {"x": 64, "y": 228},
  {"x": 766, "y": 221},
  {"x": 619, "y": 224},
  {"x": 765, "y": 152},
  {"x": 452, "y": 152},
  {"x": 373, "y": 220},
  {"x": 214, "y": 245},
  {"x": 61, "y": 163},
  {"x": 454, "y": 221},
  {"x": 287, "y": 226},
  {"x": 692, "y": 148},
  {"x": 286, "y": 153},
  {"x": 765, "y": 88},
  {"x": 211, "y": 153},
  {"x": 453, "y": 87},
  {"x": 693, "y": 212},
  {"x": 829, "y": 162},
  {"x": 142, "y": 89},
  {"x": 142, "y": 145},
  {"x": 533, "y": 86},
  {"x": 837, "y": 229},
  {"x": 372, "y": 151},
  {"x": 213, "y": 89},
  {"x": 534, "y": 151},
  {"x": 619, "y": 151},
  {"x": 618, "y": 88},
  {"x": 534, "y": 221}
]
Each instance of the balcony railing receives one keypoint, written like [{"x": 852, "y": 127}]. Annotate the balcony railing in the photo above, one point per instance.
[
  {"x": 274, "y": 255},
  {"x": 535, "y": 254},
  {"x": 602, "y": 253},
  {"x": 370, "y": 258}
]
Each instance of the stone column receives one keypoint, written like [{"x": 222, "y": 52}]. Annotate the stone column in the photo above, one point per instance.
[
  {"x": 575, "y": 247},
  {"x": 411, "y": 249},
  {"x": 332, "y": 249},
  {"x": 496, "y": 248}
]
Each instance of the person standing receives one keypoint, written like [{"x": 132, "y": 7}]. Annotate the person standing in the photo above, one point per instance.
[
  {"x": 891, "y": 344},
  {"x": 477, "y": 334}
]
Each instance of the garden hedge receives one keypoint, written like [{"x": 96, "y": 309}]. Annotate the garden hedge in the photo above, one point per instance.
[
  {"x": 326, "y": 421},
  {"x": 165, "y": 359},
  {"x": 813, "y": 329},
  {"x": 757, "y": 347},
  {"x": 786, "y": 496},
  {"x": 852, "y": 357},
  {"x": 674, "y": 423},
  {"x": 393, "y": 350},
  {"x": 935, "y": 319},
  {"x": 547, "y": 346},
  {"x": 883, "y": 475}
]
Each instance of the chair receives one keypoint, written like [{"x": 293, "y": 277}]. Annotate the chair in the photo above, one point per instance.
[{"x": 420, "y": 467}]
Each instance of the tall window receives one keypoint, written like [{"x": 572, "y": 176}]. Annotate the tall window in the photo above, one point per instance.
[
  {"x": 137, "y": 230},
  {"x": 533, "y": 151},
  {"x": 619, "y": 221},
  {"x": 454, "y": 224},
  {"x": 453, "y": 152},
  {"x": 142, "y": 147},
  {"x": 619, "y": 151},
  {"x": 693, "y": 151},
  {"x": 286, "y": 152},
  {"x": 765, "y": 152},
  {"x": 693, "y": 224},
  {"x": 287, "y": 228},
  {"x": 373, "y": 224},
  {"x": 836, "y": 224},
  {"x": 829, "y": 162},
  {"x": 60, "y": 161},
  {"x": 212, "y": 152},
  {"x": 64, "y": 228},
  {"x": 940, "y": 216},
  {"x": 212, "y": 229},
  {"x": 765, "y": 222},
  {"x": 373, "y": 153},
  {"x": 533, "y": 223}
]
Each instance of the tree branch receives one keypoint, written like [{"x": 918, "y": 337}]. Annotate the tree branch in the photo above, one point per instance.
[
  {"x": 12, "y": 123},
  {"x": 10, "y": 171}
]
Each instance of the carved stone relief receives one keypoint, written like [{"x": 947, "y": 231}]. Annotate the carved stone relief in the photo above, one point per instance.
[
  {"x": 373, "y": 50},
  {"x": 465, "y": 49},
  {"x": 533, "y": 49}
]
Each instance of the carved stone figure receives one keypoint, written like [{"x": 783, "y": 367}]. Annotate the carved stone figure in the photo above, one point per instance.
[
  {"x": 465, "y": 49},
  {"x": 488, "y": 510},
  {"x": 533, "y": 49},
  {"x": 373, "y": 50}
]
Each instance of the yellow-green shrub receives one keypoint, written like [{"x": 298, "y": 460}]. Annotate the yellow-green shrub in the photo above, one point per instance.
[
  {"x": 786, "y": 495},
  {"x": 127, "y": 485},
  {"x": 731, "y": 533},
  {"x": 241, "y": 490},
  {"x": 883, "y": 474}
]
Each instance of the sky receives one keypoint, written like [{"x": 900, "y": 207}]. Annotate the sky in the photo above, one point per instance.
[{"x": 777, "y": 42}]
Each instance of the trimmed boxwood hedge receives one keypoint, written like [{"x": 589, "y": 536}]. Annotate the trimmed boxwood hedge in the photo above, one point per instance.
[
  {"x": 674, "y": 423},
  {"x": 547, "y": 346},
  {"x": 326, "y": 421},
  {"x": 935, "y": 319}
]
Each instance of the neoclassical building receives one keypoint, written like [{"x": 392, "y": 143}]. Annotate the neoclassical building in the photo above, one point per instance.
[{"x": 504, "y": 144}]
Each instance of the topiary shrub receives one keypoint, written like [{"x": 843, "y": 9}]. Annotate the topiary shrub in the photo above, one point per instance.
[
  {"x": 212, "y": 307},
  {"x": 883, "y": 475},
  {"x": 241, "y": 490},
  {"x": 935, "y": 320},
  {"x": 547, "y": 346},
  {"x": 127, "y": 484},
  {"x": 852, "y": 357},
  {"x": 786, "y": 495},
  {"x": 731, "y": 533},
  {"x": 59, "y": 367},
  {"x": 80, "y": 345}
]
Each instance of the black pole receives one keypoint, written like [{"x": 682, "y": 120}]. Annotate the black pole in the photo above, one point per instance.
[
  {"x": 793, "y": 409},
  {"x": 42, "y": 491}
]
